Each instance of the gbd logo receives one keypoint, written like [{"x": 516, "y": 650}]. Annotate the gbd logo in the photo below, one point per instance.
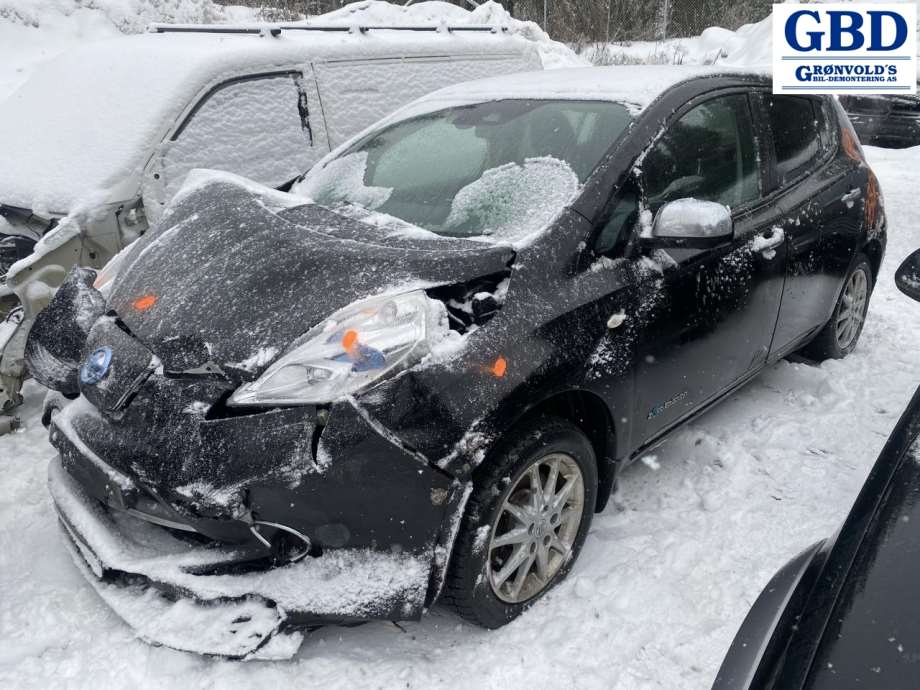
[
  {"x": 845, "y": 48},
  {"x": 846, "y": 30}
]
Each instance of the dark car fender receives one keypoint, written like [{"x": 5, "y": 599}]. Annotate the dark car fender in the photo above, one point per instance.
[
  {"x": 756, "y": 650},
  {"x": 454, "y": 410}
]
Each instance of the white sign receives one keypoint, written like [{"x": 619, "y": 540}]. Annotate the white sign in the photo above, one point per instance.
[{"x": 845, "y": 48}]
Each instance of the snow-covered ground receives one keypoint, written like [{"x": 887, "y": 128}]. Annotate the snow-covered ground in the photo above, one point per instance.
[
  {"x": 749, "y": 45},
  {"x": 667, "y": 574}
]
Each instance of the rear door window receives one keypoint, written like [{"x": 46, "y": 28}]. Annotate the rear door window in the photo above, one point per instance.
[
  {"x": 708, "y": 154},
  {"x": 799, "y": 134}
]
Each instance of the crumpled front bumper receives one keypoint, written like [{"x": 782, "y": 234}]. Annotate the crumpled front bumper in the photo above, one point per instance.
[{"x": 212, "y": 599}]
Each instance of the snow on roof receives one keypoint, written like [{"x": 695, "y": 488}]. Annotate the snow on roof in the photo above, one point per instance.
[
  {"x": 635, "y": 85},
  {"x": 380, "y": 12},
  {"x": 554, "y": 54},
  {"x": 87, "y": 121}
]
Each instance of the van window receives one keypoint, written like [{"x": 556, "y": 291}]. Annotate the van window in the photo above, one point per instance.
[
  {"x": 708, "y": 154},
  {"x": 797, "y": 140},
  {"x": 255, "y": 127}
]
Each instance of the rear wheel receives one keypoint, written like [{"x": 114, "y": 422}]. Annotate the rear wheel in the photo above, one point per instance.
[
  {"x": 839, "y": 336},
  {"x": 525, "y": 522}
]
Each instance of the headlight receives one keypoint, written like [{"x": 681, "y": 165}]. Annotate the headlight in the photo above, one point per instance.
[{"x": 350, "y": 350}]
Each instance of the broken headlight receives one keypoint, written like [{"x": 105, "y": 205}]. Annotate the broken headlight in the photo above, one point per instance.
[{"x": 353, "y": 348}]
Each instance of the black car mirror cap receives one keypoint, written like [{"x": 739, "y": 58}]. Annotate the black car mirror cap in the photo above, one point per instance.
[
  {"x": 690, "y": 223},
  {"x": 907, "y": 277}
]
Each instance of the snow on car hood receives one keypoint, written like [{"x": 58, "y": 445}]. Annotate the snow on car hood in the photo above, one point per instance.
[{"x": 228, "y": 278}]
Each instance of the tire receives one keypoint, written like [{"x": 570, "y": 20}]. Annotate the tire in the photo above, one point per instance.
[
  {"x": 839, "y": 336},
  {"x": 478, "y": 564}
]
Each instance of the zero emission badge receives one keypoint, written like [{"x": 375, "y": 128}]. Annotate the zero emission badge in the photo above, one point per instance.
[{"x": 845, "y": 48}]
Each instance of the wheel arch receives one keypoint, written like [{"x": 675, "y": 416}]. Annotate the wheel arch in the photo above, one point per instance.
[
  {"x": 588, "y": 412},
  {"x": 874, "y": 251}
]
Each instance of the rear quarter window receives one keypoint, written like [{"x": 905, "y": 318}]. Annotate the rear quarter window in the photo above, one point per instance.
[{"x": 801, "y": 135}]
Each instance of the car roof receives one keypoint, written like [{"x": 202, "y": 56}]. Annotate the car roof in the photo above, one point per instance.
[
  {"x": 204, "y": 54},
  {"x": 635, "y": 85}
]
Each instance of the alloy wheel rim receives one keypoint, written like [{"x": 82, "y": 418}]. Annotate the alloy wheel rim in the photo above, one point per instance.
[
  {"x": 535, "y": 529},
  {"x": 852, "y": 310}
]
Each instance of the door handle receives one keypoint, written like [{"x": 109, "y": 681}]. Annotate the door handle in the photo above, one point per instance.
[
  {"x": 852, "y": 195},
  {"x": 767, "y": 243},
  {"x": 616, "y": 320}
]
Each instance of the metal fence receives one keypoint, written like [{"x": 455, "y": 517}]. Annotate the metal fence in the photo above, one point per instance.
[{"x": 580, "y": 20}]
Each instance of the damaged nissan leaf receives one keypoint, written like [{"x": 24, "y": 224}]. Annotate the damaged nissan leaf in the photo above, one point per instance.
[{"x": 415, "y": 377}]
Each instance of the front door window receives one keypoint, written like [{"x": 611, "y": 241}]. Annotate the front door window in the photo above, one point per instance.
[{"x": 708, "y": 154}]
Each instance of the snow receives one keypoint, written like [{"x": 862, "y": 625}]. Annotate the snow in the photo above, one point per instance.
[
  {"x": 749, "y": 46},
  {"x": 767, "y": 245},
  {"x": 258, "y": 360},
  {"x": 340, "y": 81},
  {"x": 342, "y": 179},
  {"x": 710, "y": 219},
  {"x": 666, "y": 576},
  {"x": 38, "y": 30},
  {"x": 504, "y": 196},
  {"x": 261, "y": 114},
  {"x": 635, "y": 85},
  {"x": 238, "y": 629},
  {"x": 553, "y": 54}
]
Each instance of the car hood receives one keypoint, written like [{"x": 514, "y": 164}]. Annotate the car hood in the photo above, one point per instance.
[
  {"x": 872, "y": 634},
  {"x": 231, "y": 276}
]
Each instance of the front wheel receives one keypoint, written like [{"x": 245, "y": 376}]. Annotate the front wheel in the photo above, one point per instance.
[
  {"x": 525, "y": 522},
  {"x": 839, "y": 336}
]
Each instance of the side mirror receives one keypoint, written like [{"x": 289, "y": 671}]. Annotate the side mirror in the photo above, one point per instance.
[
  {"x": 907, "y": 277},
  {"x": 690, "y": 223}
]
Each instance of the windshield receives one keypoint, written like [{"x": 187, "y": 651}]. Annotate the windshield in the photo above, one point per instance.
[{"x": 500, "y": 169}]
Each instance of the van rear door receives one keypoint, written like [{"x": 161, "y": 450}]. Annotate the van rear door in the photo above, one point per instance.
[{"x": 357, "y": 93}]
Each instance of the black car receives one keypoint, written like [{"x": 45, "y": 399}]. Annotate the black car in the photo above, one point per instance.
[
  {"x": 887, "y": 121},
  {"x": 843, "y": 613},
  {"x": 419, "y": 383}
]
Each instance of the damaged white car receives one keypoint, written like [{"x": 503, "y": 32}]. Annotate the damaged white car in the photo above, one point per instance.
[{"x": 100, "y": 138}]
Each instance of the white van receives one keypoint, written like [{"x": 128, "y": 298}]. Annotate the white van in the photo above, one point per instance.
[{"x": 98, "y": 140}]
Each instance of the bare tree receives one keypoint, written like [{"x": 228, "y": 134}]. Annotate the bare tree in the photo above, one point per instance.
[{"x": 579, "y": 21}]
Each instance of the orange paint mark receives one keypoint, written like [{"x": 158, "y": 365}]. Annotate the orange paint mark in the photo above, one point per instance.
[
  {"x": 350, "y": 340},
  {"x": 499, "y": 367},
  {"x": 144, "y": 303}
]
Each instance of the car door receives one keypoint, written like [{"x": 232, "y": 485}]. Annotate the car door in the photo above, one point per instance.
[
  {"x": 816, "y": 197},
  {"x": 704, "y": 318},
  {"x": 256, "y": 126}
]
